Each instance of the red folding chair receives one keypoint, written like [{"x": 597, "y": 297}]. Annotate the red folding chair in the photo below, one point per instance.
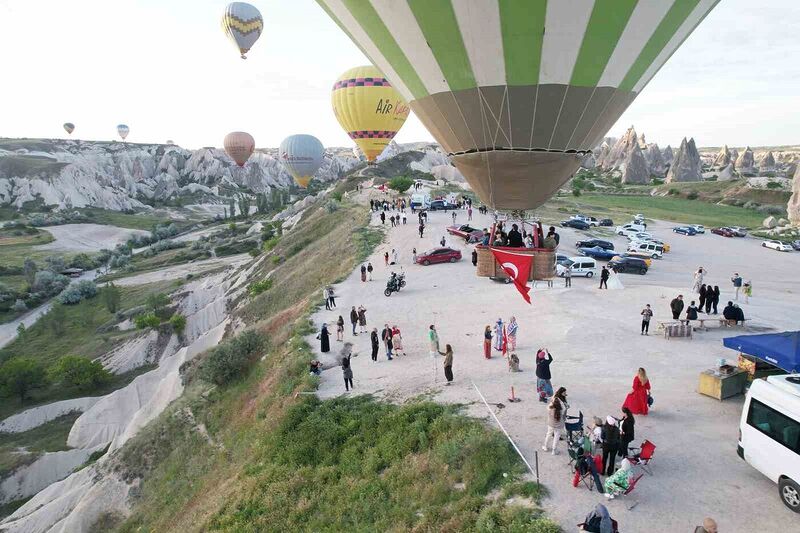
[
  {"x": 632, "y": 485},
  {"x": 644, "y": 456}
]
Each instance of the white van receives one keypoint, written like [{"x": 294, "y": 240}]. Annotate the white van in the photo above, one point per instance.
[
  {"x": 769, "y": 433},
  {"x": 581, "y": 266},
  {"x": 630, "y": 228},
  {"x": 420, "y": 201},
  {"x": 654, "y": 250}
]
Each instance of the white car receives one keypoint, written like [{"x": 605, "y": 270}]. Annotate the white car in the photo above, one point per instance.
[
  {"x": 777, "y": 245},
  {"x": 629, "y": 228},
  {"x": 638, "y": 217},
  {"x": 640, "y": 236},
  {"x": 738, "y": 231},
  {"x": 581, "y": 266},
  {"x": 699, "y": 228}
]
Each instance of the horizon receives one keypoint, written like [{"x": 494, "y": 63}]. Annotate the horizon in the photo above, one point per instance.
[{"x": 172, "y": 75}]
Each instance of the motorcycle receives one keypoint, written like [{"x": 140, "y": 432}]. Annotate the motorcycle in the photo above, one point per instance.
[{"x": 395, "y": 283}]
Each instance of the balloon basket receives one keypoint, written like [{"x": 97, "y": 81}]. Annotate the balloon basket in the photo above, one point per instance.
[{"x": 543, "y": 266}]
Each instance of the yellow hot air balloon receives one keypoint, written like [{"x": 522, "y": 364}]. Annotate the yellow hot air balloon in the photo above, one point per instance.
[{"x": 368, "y": 108}]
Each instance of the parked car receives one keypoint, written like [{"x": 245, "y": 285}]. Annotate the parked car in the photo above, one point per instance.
[
  {"x": 465, "y": 231},
  {"x": 796, "y": 245},
  {"x": 581, "y": 266},
  {"x": 597, "y": 252},
  {"x": 738, "y": 231},
  {"x": 699, "y": 228},
  {"x": 439, "y": 255},
  {"x": 589, "y": 220},
  {"x": 651, "y": 249},
  {"x": 777, "y": 245},
  {"x": 575, "y": 223},
  {"x": 605, "y": 222},
  {"x": 590, "y": 243},
  {"x": 441, "y": 205},
  {"x": 628, "y": 264},
  {"x": 638, "y": 217},
  {"x": 685, "y": 230},
  {"x": 640, "y": 236},
  {"x": 725, "y": 232},
  {"x": 635, "y": 228}
]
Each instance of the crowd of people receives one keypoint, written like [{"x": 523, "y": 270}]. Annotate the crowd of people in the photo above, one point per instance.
[{"x": 708, "y": 298}]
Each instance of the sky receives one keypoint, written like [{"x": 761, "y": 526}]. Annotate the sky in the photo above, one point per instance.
[{"x": 165, "y": 68}]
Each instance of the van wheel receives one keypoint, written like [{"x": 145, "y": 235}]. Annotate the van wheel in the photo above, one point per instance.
[
  {"x": 790, "y": 494},
  {"x": 654, "y": 256},
  {"x": 589, "y": 274}
]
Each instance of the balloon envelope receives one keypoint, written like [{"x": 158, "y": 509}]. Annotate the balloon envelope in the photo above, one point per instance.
[
  {"x": 514, "y": 105},
  {"x": 368, "y": 108},
  {"x": 69, "y": 127},
  {"x": 123, "y": 131},
  {"x": 239, "y": 146},
  {"x": 302, "y": 156},
  {"x": 242, "y": 23}
]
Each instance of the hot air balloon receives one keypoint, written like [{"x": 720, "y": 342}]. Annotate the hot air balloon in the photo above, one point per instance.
[
  {"x": 69, "y": 127},
  {"x": 302, "y": 156},
  {"x": 123, "y": 131},
  {"x": 239, "y": 145},
  {"x": 515, "y": 106},
  {"x": 368, "y": 109},
  {"x": 243, "y": 25}
]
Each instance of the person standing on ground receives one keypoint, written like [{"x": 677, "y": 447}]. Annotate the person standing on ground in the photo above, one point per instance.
[
  {"x": 394, "y": 257},
  {"x": 421, "y": 229},
  {"x": 715, "y": 301},
  {"x": 647, "y": 314},
  {"x": 386, "y": 337},
  {"x": 748, "y": 291},
  {"x": 543, "y": 386},
  {"x": 404, "y": 218},
  {"x": 676, "y": 306},
  {"x": 498, "y": 335},
  {"x": 469, "y": 214},
  {"x": 638, "y": 399},
  {"x": 340, "y": 329},
  {"x": 604, "y": 278},
  {"x": 347, "y": 373},
  {"x": 475, "y": 257},
  {"x": 610, "y": 437},
  {"x": 691, "y": 311},
  {"x": 362, "y": 319},
  {"x": 414, "y": 256},
  {"x": 386, "y": 259},
  {"x": 709, "y": 299},
  {"x": 354, "y": 319},
  {"x": 443, "y": 242},
  {"x": 332, "y": 297},
  {"x": 737, "y": 284},
  {"x": 363, "y": 273},
  {"x": 626, "y": 431},
  {"x": 568, "y": 275},
  {"x": 433, "y": 340},
  {"x": 324, "y": 339},
  {"x": 702, "y": 299},
  {"x": 373, "y": 337},
  {"x": 699, "y": 275},
  {"x": 448, "y": 363},
  {"x": 383, "y": 217},
  {"x": 397, "y": 341},
  {"x": 327, "y": 297},
  {"x": 487, "y": 342},
  {"x": 391, "y": 220},
  {"x": 454, "y": 216},
  {"x": 556, "y": 415},
  {"x": 369, "y": 270},
  {"x": 511, "y": 333}
]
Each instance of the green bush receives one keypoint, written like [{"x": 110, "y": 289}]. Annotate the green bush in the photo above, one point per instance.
[
  {"x": 774, "y": 185},
  {"x": 20, "y": 375},
  {"x": 178, "y": 323},
  {"x": 673, "y": 191},
  {"x": 76, "y": 371},
  {"x": 692, "y": 195},
  {"x": 257, "y": 287},
  {"x": 148, "y": 320},
  {"x": 230, "y": 360},
  {"x": 576, "y": 192},
  {"x": 400, "y": 183}
]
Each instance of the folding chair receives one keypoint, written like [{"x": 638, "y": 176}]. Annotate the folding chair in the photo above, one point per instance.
[
  {"x": 574, "y": 424},
  {"x": 632, "y": 485},
  {"x": 644, "y": 456}
]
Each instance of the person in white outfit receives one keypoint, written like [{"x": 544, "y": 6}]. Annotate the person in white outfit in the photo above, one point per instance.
[{"x": 556, "y": 417}]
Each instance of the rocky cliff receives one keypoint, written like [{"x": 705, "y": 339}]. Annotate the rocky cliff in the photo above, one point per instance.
[
  {"x": 767, "y": 163},
  {"x": 635, "y": 170},
  {"x": 686, "y": 164},
  {"x": 655, "y": 160},
  {"x": 793, "y": 208},
  {"x": 724, "y": 158},
  {"x": 746, "y": 162}
]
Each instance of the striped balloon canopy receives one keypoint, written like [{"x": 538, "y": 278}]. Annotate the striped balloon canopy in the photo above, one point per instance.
[
  {"x": 242, "y": 23},
  {"x": 123, "y": 131},
  {"x": 517, "y": 91},
  {"x": 69, "y": 127},
  {"x": 368, "y": 108},
  {"x": 302, "y": 156}
]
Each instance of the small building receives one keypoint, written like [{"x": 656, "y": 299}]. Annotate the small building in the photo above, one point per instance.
[{"x": 72, "y": 272}]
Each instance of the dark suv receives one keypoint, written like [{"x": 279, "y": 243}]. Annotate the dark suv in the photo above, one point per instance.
[
  {"x": 440, "y": 205},
  {"x": 628, "y": 264},
  {"x": 591, "y": 243}
]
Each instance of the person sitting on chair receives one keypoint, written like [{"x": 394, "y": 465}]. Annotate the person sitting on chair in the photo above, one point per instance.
[{"x": 619, "y": 481}]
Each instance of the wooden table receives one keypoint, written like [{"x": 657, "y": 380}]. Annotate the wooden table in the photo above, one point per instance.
[{"x": 721, "y": 386}]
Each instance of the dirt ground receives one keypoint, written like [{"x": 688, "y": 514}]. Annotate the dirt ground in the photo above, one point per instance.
[
  {"x": 595, "y": 341},
  {"x": 88, "y": 237}
]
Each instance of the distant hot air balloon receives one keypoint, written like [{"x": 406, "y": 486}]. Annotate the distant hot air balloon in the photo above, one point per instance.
[
  {"x": 368, "y": 109},
  {"x": 170, "y": 141},
  {"x": 239, "y": 145},
  {"x": 69, "y": 127},
  {"x": 515, "y": 106},
  {"x": 123, "y": 131},
  {"x": 243, "y": 25},
  {"x": 302, "y": 156}
]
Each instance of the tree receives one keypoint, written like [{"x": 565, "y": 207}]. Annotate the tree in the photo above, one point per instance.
[
  {"x": 55, "y": 318},
  {"x": 244, "y": 205},
  {"x": 178, "y": 323},
  {"x": 232, "y": 208},
  {"x": 20, "y": 329},
  {"x": 20, "y": 306},
  {"x": 157, "y": 303},
  {"x": 82, "y": 261},
  {"x": 261, "y": 203},
  {"x": 148, "y": 320},
  {"x": 55, "y": 264},
  {"x": 111, "y": 297},
  {"x": 29, "y": 269},
  {"x": 76, "y": 371},
  {"x": 400, "y": 183},
  {"x": 20, "y": 375}
]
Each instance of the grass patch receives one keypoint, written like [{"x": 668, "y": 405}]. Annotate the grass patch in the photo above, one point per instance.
[
  {"x": 34, "y": 236},
  {"x": 49, "y": 437},
  {"x": 144, "y": 220}
]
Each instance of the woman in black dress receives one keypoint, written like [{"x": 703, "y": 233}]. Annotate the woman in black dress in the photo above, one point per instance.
[
  {"x": 626, "y": 434},
  {"x": 347, "y": 373},
  {"x": 324, "y": 340},
  {"x": 375, "y": 343}
]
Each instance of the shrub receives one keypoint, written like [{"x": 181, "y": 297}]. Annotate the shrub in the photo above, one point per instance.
[
  {"x": 49, "y": 283},
  {"x": 673, "y": 191},
  {"x": 255, "y": 252},
  {"x": 20, "y": 307},
  {"x": 111, "y": 298},
  {"x": 230, "y": 360},
  {"x": 157, "y": 303},
  {"x": 270, "y": 243},
  {"x": 147, "y": 320},
  {"x": 692, "y": 195},
  {"x": 76, "y": 371},
  {"x": 178, "y": 323},
  {"x": 20, "y": 375},
  {"x": 751, "y": 205},
  {"x": 774, "y": 185},
  {"x": 777, "y": 210},
  {"x": 576, "y": 192},
  {"x": 82, "y": 261},
  {"x": 400, "y": 183},
  {"x": 331, "y": 206},
  {"x": 78, "y": 292},
  {"x": 257, "y": 287}
]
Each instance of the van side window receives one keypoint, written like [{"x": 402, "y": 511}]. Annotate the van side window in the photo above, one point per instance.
[{"x": 775, "y": 425}]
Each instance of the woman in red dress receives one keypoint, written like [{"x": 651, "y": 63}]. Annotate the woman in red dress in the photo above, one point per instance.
[{"x": 636, "y": 400}]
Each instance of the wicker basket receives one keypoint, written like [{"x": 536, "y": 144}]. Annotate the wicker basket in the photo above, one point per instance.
[{"x": 543, "y": 267}]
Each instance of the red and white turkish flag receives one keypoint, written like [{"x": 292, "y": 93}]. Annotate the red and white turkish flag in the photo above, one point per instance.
[{"x": 518, "y": 268}]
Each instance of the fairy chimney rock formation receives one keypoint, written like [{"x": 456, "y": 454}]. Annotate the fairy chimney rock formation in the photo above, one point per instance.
[
  {"x": 617, "y": 154},
  {"x": 655, "y": 161},
  {"x": 767, "y": 163},
  {"x": 727, "y": 173},
  {"x": 686, "y": 164},
  {"x": 793, "y": 208},
  {"x": 723, "y": 158},
  {"x": 634, "y": 169},
  {"x": 668, "y": 155},
  {"x": 746, "y": 162}
]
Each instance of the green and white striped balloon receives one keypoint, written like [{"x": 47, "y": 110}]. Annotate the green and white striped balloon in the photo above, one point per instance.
[{"x": 517, "y": 91}]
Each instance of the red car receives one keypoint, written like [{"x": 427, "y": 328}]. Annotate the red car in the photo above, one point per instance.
[
  {"x": 439, "y": 255},
  {"x": 725, "y": 232},
  {"x": 465, "y": 231}
]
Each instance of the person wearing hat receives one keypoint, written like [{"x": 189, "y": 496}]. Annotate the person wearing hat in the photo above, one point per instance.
[
  {"x": 543, "y": 386},
  {"x": 610, "y": 444}
]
